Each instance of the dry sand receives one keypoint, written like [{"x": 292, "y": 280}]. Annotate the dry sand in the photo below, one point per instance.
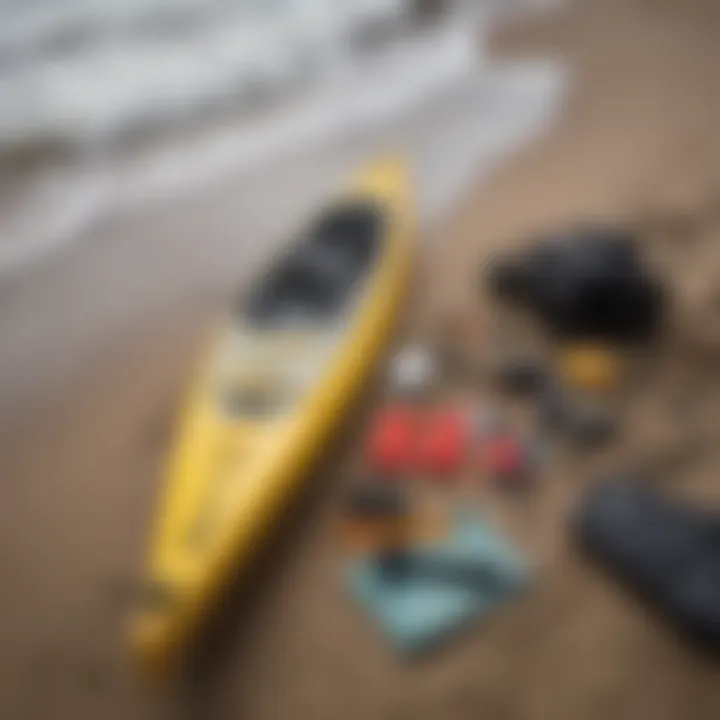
[{"x": 637, "y": 140}]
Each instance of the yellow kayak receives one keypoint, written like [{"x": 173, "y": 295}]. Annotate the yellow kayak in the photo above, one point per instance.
[{"x": 277, "y": 382}]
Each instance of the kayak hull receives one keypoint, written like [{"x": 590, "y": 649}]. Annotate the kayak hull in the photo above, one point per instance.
[{"x": 229, "y": 478}]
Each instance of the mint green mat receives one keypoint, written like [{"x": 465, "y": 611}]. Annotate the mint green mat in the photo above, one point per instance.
[{"x": 418, "y": 614}]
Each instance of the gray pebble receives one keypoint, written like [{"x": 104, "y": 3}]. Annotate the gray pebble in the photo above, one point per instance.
[
  {"x": 553, "y": 406},
  {"x": 522, "y": 375},
  {"x": 591, "y": 424}
]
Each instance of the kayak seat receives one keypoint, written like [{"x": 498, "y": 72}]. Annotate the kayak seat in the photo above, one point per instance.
[
  {"x": 354, "y": 230},
  {"x": 314, "y": 281}
]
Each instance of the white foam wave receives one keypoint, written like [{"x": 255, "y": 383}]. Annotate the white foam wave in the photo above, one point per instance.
[
  {"x": 87, "y": 99},
  {"x": 393, "y": 83},
  {"x": 117, "y": 85}
]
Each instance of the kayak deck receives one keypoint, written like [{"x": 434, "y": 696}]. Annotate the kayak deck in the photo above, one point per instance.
[{"x": 291, "y": 356}]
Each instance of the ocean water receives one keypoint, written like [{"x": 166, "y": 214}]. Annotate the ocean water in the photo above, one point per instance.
[
  {"x": 110, "y": 105},
  {"x": 87, "y": 71}
]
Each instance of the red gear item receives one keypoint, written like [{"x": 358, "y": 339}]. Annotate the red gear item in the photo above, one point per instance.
[
  {"x": 391, "y": 442},
  {"x": 503, "y": 456},
  {"x": 444, "y": 442}
]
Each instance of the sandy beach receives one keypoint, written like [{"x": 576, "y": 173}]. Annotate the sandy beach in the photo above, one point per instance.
[{"x": 99, "y": 342}]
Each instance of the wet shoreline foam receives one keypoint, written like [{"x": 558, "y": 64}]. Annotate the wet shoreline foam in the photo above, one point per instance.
[{"x": 95, "y": 164}]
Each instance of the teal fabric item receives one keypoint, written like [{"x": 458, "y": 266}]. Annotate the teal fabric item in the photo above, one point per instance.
[{"x": 418, "y": 614}]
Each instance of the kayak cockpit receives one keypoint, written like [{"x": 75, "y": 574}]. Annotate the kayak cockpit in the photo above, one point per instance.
[{"x": 315, "y": 282}]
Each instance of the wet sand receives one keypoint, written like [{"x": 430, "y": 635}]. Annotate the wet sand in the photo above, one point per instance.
[{"x": 80, "y": 457}]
